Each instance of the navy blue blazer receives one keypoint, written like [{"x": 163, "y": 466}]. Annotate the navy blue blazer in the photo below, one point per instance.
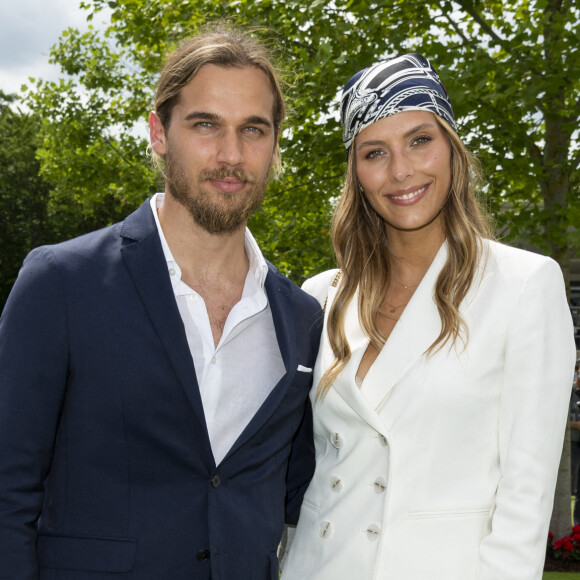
[{"x": 106, "y": 468}]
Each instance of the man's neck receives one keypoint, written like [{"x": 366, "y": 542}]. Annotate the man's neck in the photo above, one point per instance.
[{"x": 202, "y": 257}]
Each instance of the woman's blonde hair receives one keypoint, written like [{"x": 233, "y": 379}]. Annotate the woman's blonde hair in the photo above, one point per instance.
[{"x": 360, "y": 243}]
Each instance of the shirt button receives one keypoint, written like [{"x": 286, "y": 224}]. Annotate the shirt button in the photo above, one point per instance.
[
  {"x": 337, "y": 440},
  {"x": 373, "y": 532},
  {"x": 335, "y": 483},
  {"x": 202, "y": 556},
  {"x": 213, "y": 360},
  {"x": 380, "y": 485},
  {"x": 171, "y": 272},
  {"x": 216, "y": 481},
  {"x": 325, "y": 530}
]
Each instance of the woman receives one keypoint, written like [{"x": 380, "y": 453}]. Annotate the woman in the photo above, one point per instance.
[{"x": 443, "y": 379}]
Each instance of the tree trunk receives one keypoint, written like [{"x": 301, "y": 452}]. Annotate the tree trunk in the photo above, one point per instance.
[{"x": 561, "y": 522}]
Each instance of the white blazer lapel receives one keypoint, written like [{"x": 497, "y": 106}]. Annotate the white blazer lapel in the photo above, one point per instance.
[
  {"x": 345, "y": 385},
  {"x": 415, "y": 331}
]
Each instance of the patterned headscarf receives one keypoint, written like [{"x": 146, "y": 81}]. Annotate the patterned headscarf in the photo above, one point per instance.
[{"x": 405, "y": 83}]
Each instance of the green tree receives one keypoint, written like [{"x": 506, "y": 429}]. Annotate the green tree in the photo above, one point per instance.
[
  {"x": 23, "y": 193},
  {"x": 513, "y": 71}
]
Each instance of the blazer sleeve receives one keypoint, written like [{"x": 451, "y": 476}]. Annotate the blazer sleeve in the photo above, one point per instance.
[
  {"x": 300, "y": 467},
  {"x": 301, "y": 462},
  {"x": 537, "y": 379},
  {"x": 33, "y": 375}
]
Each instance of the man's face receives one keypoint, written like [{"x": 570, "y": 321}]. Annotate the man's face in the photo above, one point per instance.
[{"x": 220, "y": 146}]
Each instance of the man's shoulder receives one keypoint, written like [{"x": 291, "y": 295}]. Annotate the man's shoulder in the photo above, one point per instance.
[
  {"x": 92, "y": 243},
  {"x": 302, "y": 298}
]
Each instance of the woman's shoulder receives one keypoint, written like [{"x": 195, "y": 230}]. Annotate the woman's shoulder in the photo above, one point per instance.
[
  {"x": 511, "y": 255},
  {"x": 318, "y": 285},
  {"x": 517, "y": 263}
]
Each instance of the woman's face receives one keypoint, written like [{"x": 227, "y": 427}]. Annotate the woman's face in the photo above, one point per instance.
[{"x": 403, "y": 163}]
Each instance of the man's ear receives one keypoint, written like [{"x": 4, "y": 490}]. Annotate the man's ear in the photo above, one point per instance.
[{"x": 157, "y": 134}]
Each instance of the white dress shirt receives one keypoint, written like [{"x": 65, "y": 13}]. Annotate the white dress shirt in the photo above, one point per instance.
[{"x": 237, "y": 376}]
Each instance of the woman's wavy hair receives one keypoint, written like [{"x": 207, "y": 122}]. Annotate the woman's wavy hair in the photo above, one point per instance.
[{"x": 360, "y": 243}]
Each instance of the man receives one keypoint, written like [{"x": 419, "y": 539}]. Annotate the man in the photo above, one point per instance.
[{"x": 154, "y": 376}]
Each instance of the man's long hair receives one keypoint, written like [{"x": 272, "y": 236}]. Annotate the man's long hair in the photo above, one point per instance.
[{"x": 225, "y": 46}]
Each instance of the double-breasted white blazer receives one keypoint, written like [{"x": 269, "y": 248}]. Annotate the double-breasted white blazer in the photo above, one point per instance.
[{"x": 443, "y": 467}]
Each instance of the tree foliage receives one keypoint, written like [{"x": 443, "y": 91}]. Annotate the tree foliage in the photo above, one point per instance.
[
  {"x": 512, "y": 69},
  {"x": 23, "y": 193}
]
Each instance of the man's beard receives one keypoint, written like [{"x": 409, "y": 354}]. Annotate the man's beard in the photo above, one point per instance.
[{"x": 216, "y": 218}]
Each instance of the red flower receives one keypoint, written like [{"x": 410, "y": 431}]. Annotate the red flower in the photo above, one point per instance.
[{"x": 566, "y": 548}]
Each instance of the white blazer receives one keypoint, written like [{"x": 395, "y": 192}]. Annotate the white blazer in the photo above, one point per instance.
[{"x": 443, "y": 468}]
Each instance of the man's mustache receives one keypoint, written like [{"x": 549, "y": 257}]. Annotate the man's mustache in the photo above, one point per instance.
[{"x": 224, "y": 173}]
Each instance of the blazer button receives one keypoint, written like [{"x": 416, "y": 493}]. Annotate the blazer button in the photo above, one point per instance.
[
  {"x": 380, "y": 484},
  {"x": 373, "y": 532},
  {"x": 335, "y": 483},
  {"x": 202, "y": 555},
  {"x": 216, "y": 481},
  {"x": 337, "y": 440},
  {"x": 325, "y": 530}
]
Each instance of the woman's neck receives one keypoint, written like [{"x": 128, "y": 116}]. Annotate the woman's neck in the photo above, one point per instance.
[{"x": 411, "y": 254}]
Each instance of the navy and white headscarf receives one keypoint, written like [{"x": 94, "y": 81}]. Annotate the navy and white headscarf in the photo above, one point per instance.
[{"x": 405, "y": 83}]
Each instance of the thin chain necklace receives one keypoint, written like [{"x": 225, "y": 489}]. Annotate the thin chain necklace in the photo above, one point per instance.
[
  {"x": 392, "y": 310},
  {"x": 388, "y": 315},
  {"x": 407, "y": 286},
  {"x": 393, "y": 307}
]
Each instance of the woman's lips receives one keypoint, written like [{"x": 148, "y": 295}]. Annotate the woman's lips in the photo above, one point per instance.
[{"x": 408, "y": 197}]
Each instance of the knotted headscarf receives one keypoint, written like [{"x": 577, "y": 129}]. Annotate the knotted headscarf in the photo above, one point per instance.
[{"x": 405, "y": 83}]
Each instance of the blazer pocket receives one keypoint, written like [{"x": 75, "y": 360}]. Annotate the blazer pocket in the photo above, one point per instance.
[
  {"x": 452, "y": 514},
  {"x": 88, "y": 554}
]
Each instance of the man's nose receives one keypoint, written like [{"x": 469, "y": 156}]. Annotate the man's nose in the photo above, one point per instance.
[{"x": 230, "y": 148}]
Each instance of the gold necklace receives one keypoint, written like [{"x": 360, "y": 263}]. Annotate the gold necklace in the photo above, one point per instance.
[
  {"x": 407, "y": 286},
  {"x": 394, "y": 307},
  {"x": 388, "y": 315}
]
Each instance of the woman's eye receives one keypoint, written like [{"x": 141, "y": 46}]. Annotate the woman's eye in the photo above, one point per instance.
[
  {"x": 374, "y": 153},
  {"x": 421, "y": 140}
]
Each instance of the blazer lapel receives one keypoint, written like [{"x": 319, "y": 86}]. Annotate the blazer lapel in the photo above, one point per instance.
[
  {"x": 345, "y": 385},
  {"x": 282, "y": 306},
  {"x": 416, "y": 330},
  {"x": 144, "y": 258}
]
